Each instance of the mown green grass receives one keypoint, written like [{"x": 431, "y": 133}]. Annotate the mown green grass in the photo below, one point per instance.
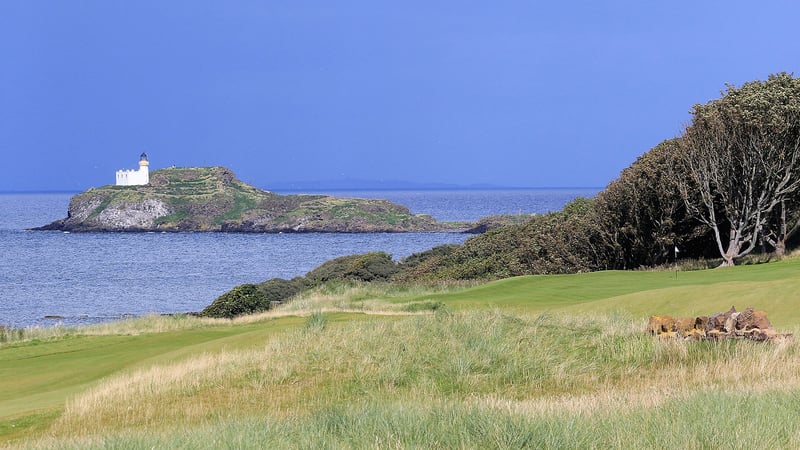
[
  {"x": 36, "y": 377},
  {"x": 644, "y": 293},
  {"x": 536, "y": 362}
]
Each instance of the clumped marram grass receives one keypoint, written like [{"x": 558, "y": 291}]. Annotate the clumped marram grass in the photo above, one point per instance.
[
  {"x": 766, "y": 420},
  {"x": 141, "y": 325},
  {"x": 368, "y": 297},
  {"x": 465, "y": 380}
]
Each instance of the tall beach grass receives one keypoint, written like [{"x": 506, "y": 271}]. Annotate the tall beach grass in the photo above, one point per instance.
[{"x": 466, "y": 380}]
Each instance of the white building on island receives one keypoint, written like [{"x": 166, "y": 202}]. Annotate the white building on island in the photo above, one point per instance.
[{"x": 135, "y": 177}]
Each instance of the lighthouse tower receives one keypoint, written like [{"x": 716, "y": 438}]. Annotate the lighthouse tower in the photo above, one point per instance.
[
  {"x": 144, "y": 169},
  {"x": 135, "y": 177}
]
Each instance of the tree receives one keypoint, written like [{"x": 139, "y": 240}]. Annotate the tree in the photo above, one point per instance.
[
  {"x": 739, "y": 163},
  {"x": 644, "y": 215}
]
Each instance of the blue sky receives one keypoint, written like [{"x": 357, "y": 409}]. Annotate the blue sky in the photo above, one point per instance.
[{"x": 513, "y": 93}]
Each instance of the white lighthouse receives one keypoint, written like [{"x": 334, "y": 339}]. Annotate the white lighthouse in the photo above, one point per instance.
[{"x": 135, "y": 177}]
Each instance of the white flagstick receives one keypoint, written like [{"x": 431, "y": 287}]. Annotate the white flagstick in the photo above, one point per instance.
[{"x": 676, "y": 262}]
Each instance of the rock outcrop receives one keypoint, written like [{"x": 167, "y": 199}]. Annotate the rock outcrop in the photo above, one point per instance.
[
  {"x": 213, "y": 199},
  {"x": 748, "y": 324}
]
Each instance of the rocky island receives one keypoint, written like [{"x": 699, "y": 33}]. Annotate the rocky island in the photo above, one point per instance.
[{"x": 213, "y": 199}]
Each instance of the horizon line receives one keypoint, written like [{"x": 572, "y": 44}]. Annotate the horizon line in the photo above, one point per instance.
[{"x": 340, "y": 188}]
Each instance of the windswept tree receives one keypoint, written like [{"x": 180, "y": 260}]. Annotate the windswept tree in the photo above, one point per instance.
[
  {"x": 739, "y": 163},
  {"x": 644, "y": 214}
]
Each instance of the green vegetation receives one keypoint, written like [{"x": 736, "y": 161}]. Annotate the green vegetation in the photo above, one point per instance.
[
  {"x": 727, "y": 187},
  {"x": 739, "y": 165},
  {"x": 278, "y": 289},
  {"x": 250, "y": 298},
  {"x": 377, "y": 266},
  {"x": 534, "y": 361},
  {"x": 243, "y": 299},
  {"x": 371, "y": 352},
  {"x": 730, "y": 181}
]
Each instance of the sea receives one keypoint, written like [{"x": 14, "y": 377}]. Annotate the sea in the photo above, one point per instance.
[{"x": 50, "y": 278}]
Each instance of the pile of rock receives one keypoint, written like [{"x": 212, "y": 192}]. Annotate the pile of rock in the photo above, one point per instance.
[{"x": 748, "y": 324}]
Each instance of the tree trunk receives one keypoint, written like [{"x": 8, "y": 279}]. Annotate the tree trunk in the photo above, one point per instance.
[
  {"x": 779, "y": 241},
  {"x": 780, "y": 248},
  {"x": 734, "y": 246}
]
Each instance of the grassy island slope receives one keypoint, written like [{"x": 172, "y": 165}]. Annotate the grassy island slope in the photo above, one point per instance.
[{"x": 213, "y": 199}]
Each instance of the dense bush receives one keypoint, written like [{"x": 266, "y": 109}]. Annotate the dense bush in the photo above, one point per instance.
[
  {"x": 278, "y": 289},
  {"x": 376, "y": 266},
  {"x": 567, "y": 241},
  {"x": 243, "y": 299},
  {"x": 416, "y": 266},
  {"x": 250, "y": 298}
]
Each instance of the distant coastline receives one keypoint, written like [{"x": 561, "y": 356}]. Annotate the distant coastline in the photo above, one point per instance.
[
  {"x": 376, "y": 185},
  {"x": 316, "y": 187}
]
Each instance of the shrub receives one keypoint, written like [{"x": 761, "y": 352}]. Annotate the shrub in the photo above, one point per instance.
[
  {"x": 421, "y": 257},
  {"x": 278, "y": 289},
  {"x": 243, "y": 299},
  {"x": 376, "y": 266},
  {"x": 567, "y": 241}
]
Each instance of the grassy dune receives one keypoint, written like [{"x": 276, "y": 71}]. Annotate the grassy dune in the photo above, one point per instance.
[{"x": 546, "y": 361}]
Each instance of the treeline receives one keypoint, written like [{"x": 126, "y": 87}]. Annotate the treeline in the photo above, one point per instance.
[{"x": 726, "y": 187}]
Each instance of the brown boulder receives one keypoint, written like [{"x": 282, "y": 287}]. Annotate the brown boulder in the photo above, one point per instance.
[
  {"x": 730, "y": 323},
  {"x": 761, "y": 321},
  {"x": 750, "y": 319},
  {"x": 683, "y": 325},
  {"x": 660, "y": 324},
  {"x": 719, "y": 321},
  {"x": 715, "y": 334},
  {"x": 767, "y": 334},
  {"x": 748, "y": 324},
  {"x": 695, "y": 334}
]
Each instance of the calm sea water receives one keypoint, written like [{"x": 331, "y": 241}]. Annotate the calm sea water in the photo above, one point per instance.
[{"x": 93, "y": 277}]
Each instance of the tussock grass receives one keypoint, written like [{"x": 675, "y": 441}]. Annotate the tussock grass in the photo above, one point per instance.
[
  {"x": 468, "y": 379},
  {"x": 151, "y": 324},
  {"x": 11, "y": 335},
  {"x": 710, "y": 420},
  {"x": 131, "y": 327},
  {"x": 368, "y": 297}
]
